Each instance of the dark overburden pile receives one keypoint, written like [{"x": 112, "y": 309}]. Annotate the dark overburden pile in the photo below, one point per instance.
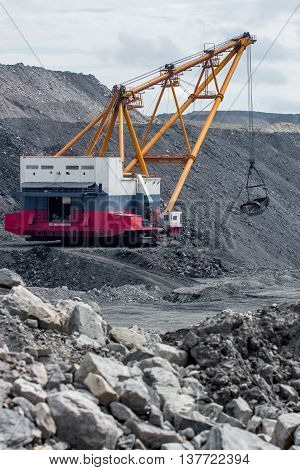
[{"x": 254, "y": 355}]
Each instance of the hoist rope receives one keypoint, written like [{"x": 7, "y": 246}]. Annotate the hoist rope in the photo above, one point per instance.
[{"x": 250, "y": 106}]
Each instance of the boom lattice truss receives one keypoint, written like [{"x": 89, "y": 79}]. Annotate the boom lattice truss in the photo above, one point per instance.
[{"x": 210, "y": 62}]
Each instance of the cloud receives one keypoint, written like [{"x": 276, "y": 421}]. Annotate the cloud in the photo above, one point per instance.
[
  {"x": 118, "y": 40},
  {"x": 146, "y": 52}
]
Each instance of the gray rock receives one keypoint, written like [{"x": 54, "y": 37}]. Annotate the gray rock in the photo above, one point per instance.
[
  {"x": 295, "y": 372},
  {"x": 177, "y": 404},
  {"x": 55, "y": 376},
  {"x": 152, "y": 436},
  {"x": 25, "y": 405},
  {"x": 121, "y": 412},
  {"x": 239, "y": 409},
  {"x": 211, "y": 410},
  {"x": 188, "y": 433},
  {"x": 225, "y": 437},
  {"x": 194, "y": 420},
  {"x": 117, "y": 348},
  {"x": 85, "y": 321},
  {"x": 38, "y": 373},
  {"x": 5, "y": 388},
  {"x": 173, "y": 446},
  {"x": 285, "y": 427},
  {"x": 156, "y": 416},
  {"x": 23, "y": 303},
  {"x": 32, "y": 391},
  {"x": 138, "y": 355},
  {"x": 266, "y": 411},
  {"x": 200, "y": 439},
  {"x": 268, "y": 426},
  {"x": 110, "y": 369},
  {"x": 288, "y": 392},
  {"x": 32, "y": 323},
  {"x": 139, "y": 445},
  {"x": 43, "y": 418},
  {"x": 9, "y": 278},
  {"x": 296, "y": 384},
  {"x": 4, "y": 367},
  {"x": 152, "y": 338},
  {"x": 129, "y": 338},
  {"x": 126, "y": 442},
  {"x": 134, "y": 394},
  {"x": 61, "y": 445},
  {"x": 80, "y": 422},
  {"x": 264, "y": 437},
  {"x": 253, "y": 424},
  {"x": 193, "y": 387},
  {"x": 163, "y": 381},
  {"x": 171, "y": 354},
  {"x": 16, "y": 430},
  {"x": 100, "y": 388},
  {"x": 157, "y": 362},
  {"x": 155, "y": 398},
  {"x": 224, "y": 418},
  {"x": 297, "y": 436},
  {"x": 84, "y": 342}
]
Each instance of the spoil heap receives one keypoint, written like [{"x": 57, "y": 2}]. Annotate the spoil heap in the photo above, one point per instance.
[{"x": 70, "y": 381}]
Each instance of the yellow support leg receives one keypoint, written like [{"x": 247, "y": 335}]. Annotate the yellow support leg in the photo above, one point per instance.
[{"x": 136, "y": 144}]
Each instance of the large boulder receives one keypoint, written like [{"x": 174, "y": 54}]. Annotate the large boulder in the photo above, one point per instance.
[
  {"x": 239, "y": 409},
  {"x": 110, "y": 369},
  {"x": 131, "y": 339},
  {"x": 101, "y": 389},
  {"x": 194, "y": 420},
  {"x": 157, "y": 361},
  {"x": 16, "y": 430},
  {"x": 32, "y": 391},
  {"x": 268, "y": 426},
  {"x": 121, "y": 412},
  {"x": 163, "y": 381},
  {"x": 134, "y": 394},
  {"x": 285, "y": 427},
  {"x": 23, "y": 303},
  {"x": 225, "y": 437},
  {"x": 10, "y": 279},
  {"x": 225, "y": 418},
  {"x": 152, "y": 436},
  {"x": 172, "y": 354},
  {"x": 80, "y": 421},
  {"x": 137, "y": 355},
  {"x": 84, "y": 320},
  {"x": 177, "y": 404},
  {"x": 38, "y": 373}
]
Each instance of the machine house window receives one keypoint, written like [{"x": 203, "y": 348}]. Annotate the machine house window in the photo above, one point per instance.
[{"x": 60, "y": 209}]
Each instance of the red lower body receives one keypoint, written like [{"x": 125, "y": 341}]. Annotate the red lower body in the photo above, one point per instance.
[{"x": 87, "y": 224}]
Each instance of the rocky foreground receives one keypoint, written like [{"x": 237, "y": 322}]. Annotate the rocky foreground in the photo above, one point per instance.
[{"x": 70, "y": 381}]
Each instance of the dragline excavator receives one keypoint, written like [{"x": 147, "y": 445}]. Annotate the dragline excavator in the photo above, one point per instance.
[{"x": 97, "y": 195}]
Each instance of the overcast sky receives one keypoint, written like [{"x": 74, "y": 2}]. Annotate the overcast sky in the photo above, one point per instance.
[{"x": 116, "y": 40}]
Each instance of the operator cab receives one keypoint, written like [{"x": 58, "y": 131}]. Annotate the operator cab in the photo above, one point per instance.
[{"x": 172, "y": 222}]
